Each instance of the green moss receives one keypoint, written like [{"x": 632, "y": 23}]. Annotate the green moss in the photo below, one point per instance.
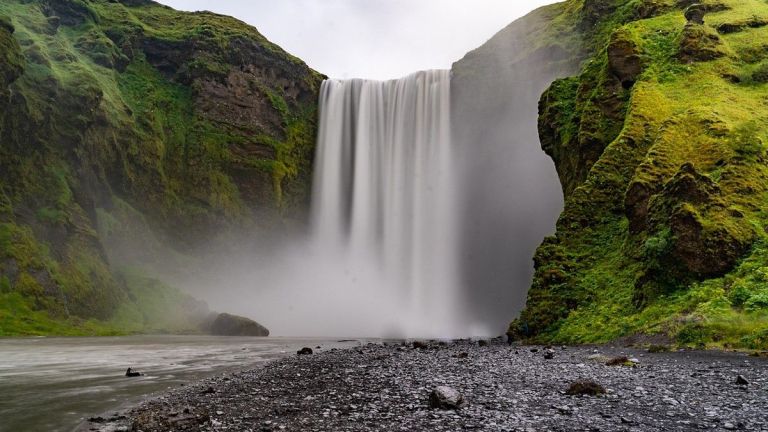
[
  {"x": 665, "y": 231},
  {"x": 105, "y": 105}
]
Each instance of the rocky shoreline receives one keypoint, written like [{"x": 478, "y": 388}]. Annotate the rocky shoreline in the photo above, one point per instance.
[{"x": 502, "y": 388}]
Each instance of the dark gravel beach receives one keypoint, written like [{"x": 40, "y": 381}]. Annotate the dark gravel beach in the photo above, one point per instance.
[{"x": 504, "y": 388}]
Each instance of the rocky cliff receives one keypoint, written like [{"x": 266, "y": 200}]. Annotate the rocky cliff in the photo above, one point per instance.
[
  {"x": 660, "y": 145},
  {"x": 127, "y": 127}
]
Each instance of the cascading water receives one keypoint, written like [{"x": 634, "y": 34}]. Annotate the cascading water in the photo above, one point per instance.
[{"x": 383, "y": 202}]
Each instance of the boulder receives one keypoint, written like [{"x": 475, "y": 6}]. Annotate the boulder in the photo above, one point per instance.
[
  {"x": 233, "y": 325},
  {"x": 305, "y": 351},
  {"x": 699, "y": 43},
  {"x": 446, "y": 398}
]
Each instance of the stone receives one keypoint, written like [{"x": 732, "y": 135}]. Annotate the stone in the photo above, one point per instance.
[
  {"x": 618, "y": 361},
  {"x": 132, "y": 373},
  {"x": 585, "y": 387},
  {"x": 444, "y": 397},
  {"x": 420, "y": 345},
  {"x": 549, "y": 354},
  {"x": 305, "y": 351},
  {"x": 740, "y": 380}
]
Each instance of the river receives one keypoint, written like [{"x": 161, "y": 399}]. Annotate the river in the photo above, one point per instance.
[{"x": 53, "y": 384}]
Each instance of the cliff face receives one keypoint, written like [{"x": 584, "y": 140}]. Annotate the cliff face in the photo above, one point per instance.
[
  {"x": 660, "y": 144},
  {"x": 124, "y": 122},
  {"x": 509, "y": 189}
]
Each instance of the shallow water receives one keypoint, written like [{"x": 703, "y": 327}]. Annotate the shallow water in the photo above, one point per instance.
[{"x": 53, "y": 384}]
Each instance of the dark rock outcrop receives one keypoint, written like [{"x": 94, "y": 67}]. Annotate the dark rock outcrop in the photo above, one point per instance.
[{"x": 233, "y": 325}]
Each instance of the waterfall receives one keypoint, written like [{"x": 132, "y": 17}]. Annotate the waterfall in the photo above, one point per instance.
[{"x": 383, "y": 199}]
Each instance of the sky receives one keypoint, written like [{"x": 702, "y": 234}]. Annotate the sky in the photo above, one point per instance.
[{"x": 375, "y": 39}]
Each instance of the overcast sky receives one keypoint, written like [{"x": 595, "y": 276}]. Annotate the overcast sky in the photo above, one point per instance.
[{"x": 379, "y": 39}]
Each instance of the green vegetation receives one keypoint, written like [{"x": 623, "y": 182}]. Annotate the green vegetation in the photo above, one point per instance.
[
  {"x": 665, "y": 227},
  {"x": 194, "y": 121}
]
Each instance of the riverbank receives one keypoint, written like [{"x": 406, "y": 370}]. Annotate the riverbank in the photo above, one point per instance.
[{"x": 506, "y": 388}]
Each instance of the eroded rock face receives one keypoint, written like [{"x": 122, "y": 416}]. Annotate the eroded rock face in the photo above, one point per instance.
[
  {"x": 695, "y": 13},
  {"x": 233, "y": 325},
  {"x": 703, "y": 251},
  {"x": 624, "y": 59},
  {"x": 700, "y": 43}
]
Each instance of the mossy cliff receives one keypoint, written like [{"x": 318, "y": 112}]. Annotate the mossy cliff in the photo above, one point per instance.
[
  {"x": 118, "y": 114},
  {"x": 660, "y": 144}
]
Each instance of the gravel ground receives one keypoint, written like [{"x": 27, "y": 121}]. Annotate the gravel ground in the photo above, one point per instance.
[{"x": 506, "y": 388}]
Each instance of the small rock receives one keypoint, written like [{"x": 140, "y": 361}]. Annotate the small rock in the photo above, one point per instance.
[
  {"x": 729, "y": 426},
  {"x": 304, "y": 351},
  {"x": 445, "y": 397},
  {"x": 585, "y": 387},
  {"x": 420, "y": 345},
  {"x": 132, "y": 373},
  {"x": 482, "y": 343},
  {"x": 618, "y": 361},
  {"x": 549, "y": 354},
  {"x": 740, "y": 380}
]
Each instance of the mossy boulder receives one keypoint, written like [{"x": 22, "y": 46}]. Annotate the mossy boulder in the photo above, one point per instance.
[{"x": 699, "y": 42}]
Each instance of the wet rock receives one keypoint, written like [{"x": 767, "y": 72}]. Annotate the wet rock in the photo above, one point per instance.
[
  {"x": 305, "y": 351},
  {"x": 549, "y": 354},
  {"x": 740, "y": 380},
  {"x": 445, "y": 398},
  {"x": 233, "y": 325},
  {"x": 132, "y": 373},
  {"x": 585, "y": 387}
]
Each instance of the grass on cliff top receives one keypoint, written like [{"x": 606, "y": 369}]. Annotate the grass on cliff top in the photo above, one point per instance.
[{"x": 704, "y": 113}]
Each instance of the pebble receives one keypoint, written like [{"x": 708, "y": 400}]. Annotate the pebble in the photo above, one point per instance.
[{"x": 388, "y": 388}]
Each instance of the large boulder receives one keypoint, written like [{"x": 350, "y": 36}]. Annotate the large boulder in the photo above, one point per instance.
[{"x": 232, "y": 325}]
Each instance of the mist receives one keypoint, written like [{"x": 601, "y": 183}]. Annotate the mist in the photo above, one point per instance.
[{"x": 461, "y": 234}]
